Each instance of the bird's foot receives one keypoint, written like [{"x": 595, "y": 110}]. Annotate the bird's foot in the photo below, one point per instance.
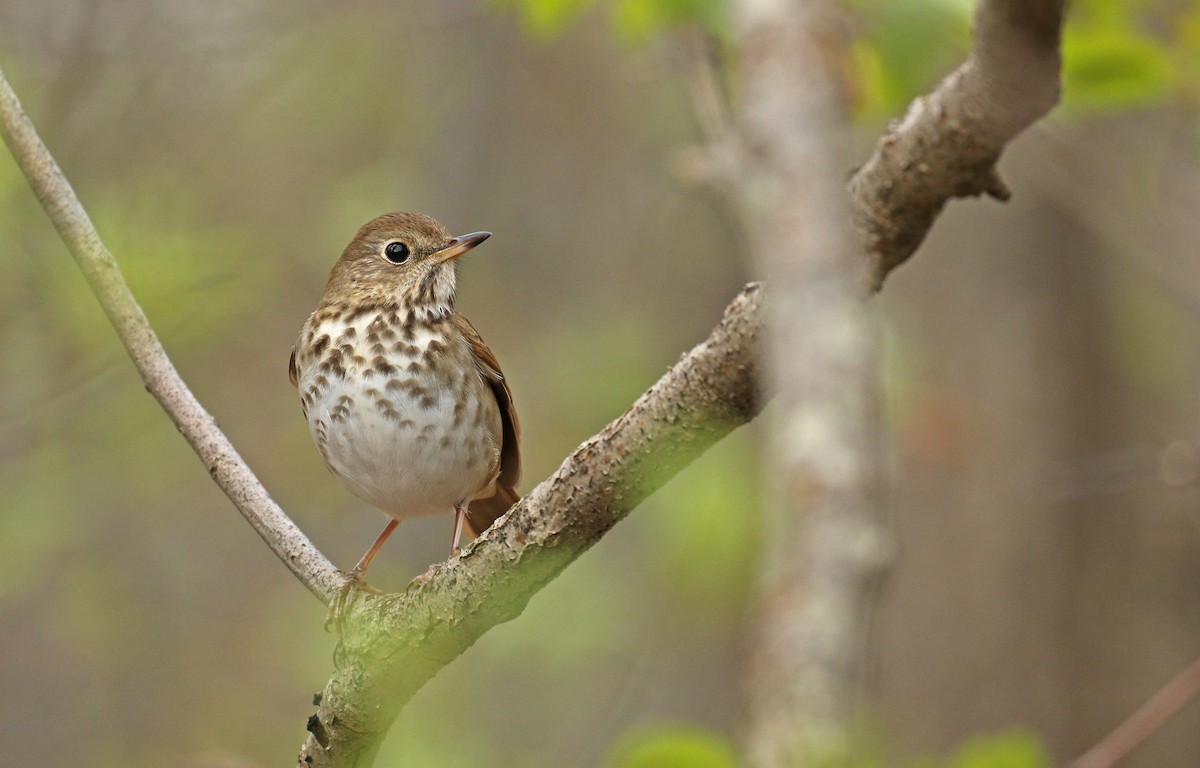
[
  {"x": 424, "y": 578},
  {"x": 341, "y": 604}
]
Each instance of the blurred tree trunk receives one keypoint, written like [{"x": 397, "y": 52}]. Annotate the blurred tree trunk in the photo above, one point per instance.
[
  {"x": 824, "y": 542},
  {"x": 1046, "y": 576}
]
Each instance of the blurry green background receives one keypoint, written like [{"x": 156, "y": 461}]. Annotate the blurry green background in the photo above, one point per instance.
[{"x": 1041, "y": 366}]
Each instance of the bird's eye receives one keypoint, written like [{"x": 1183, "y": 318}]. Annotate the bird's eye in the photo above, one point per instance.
[{"x": 396, "y": 252}]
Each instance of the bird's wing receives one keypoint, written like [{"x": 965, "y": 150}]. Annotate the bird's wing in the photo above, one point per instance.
[
  {"x": 485, "y": 511},
  {"x": 293, "y": 374}
]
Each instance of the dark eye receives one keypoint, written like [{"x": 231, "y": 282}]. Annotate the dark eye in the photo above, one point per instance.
[{"x": 396, "y": 252}]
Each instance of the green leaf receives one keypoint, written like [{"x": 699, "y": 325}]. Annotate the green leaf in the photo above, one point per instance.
[
  {"x": 672, "y": 747},
  {"x": 905, "y": 49},
  {"x": 1015, "y": 749},
  {"x": 638, "y": 20},
  {"x": 544, "y": 19},
  {"x": 1114, "y": 66},
  {"x": 634, "y": 20}
]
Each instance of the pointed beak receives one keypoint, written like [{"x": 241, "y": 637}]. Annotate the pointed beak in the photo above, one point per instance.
[{"x": 458, "y": 246}]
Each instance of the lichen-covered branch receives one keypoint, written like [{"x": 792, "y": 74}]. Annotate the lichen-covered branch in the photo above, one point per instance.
[
  {"x": 393, "y": 644},
  {"x": 162, "y": 380},
  {"x": 948, "y": 143}
]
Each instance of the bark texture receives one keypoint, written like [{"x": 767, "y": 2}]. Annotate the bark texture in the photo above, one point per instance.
[
  {"x": 948, "y": 143},
  {"x": 393, "y": 644}
]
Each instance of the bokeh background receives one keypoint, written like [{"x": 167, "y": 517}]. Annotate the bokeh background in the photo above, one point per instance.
[{"x": 1041, "y": 370}]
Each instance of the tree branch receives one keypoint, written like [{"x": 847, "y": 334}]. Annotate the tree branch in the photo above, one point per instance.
[
  {"x": 162, "y": 380},
  {"x": 1116, "y": 746},
  {"x": 948, "y": 143},
  {"x": 393, "y": 644}
]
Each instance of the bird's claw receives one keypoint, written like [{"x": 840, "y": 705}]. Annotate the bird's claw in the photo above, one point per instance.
[
  {"x": 424, "y": 578},
  {"x": 341, "y": 604}
]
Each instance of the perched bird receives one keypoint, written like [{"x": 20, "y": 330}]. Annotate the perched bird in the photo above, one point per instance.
[{"x": 405, "y": 402}]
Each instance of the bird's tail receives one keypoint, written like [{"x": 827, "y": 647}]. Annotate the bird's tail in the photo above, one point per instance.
[{"x": 483, "y": 512}]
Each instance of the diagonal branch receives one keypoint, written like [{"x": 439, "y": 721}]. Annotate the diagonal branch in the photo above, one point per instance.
[
  {"x": 948, "y": 143},
  {"x": 1142, "y": 724},
  {"x": 393, "y": 644},
  {"x": 196, "y": 425}
]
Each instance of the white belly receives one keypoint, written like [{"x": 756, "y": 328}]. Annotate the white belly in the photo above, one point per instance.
[{"x": 406, "y": 443}]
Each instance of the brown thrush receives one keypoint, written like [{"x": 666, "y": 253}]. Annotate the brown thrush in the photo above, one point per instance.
[{"x": 405, "y": 402}]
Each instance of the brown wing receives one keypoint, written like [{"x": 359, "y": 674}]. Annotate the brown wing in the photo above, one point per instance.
[
  {"x": 483, "y": 512},
  {"x": 293, "y": 374}
]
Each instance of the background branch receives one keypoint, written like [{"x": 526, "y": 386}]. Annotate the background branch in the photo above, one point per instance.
[
  {"x": 1172, "y": 697},
  {"x": 196, "y": 425},
  {"x": 948, "y": 143},
  {"x": 394, "y": 644}
]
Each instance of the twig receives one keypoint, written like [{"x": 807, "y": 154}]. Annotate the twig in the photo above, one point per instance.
[
  {"x": 162, "y": 380},
  {"x": 1142, "y": 724},
  {"x": 718, "y": 160},
  {"x": 948, "y": 143},
  {"x": 704, "y": 88}
]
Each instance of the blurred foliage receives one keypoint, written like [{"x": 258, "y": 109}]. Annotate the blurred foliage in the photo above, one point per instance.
[
  {"x": 1126, "y": 54},
  {"x": 1116, "y": 54},
  {"x": 672, "y": 747},
  {"x": 193, "y": 280},
  {"x": 1017, "y": 748},
  {"x": 903, "y": 49},
  {"x": 227, "y": 178},
  {"x": 1014, "y": 749},
  {"x": 704, "y": 536},
  {"x": 1139, "y": 316},
  {"x": 634, "y": 20}
]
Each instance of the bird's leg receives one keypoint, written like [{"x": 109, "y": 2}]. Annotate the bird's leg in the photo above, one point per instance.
[
  {"x": 354, "y": 579},
  {"x": 460, "y": 515},
  {"x": 365, "y": 561}
]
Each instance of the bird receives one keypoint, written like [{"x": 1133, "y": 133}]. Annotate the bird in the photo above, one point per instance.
[{"x": 406, "y": 404}]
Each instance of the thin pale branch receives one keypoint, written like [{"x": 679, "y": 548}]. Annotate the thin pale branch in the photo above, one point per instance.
[
  {"x": 948, "y": 143},
  {"x": 1142, "y": 724},
  {"x": 162, "y": 380}
]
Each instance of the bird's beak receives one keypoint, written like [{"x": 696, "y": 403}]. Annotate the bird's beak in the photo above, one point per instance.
[{"x": 458, "y": 246}]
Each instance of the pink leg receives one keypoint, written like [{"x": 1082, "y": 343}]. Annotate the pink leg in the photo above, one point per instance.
[
  {"x": 460, "y": 514},
  {"x": 366, "y": 559},
  {"x": 337, "y": 608}
]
